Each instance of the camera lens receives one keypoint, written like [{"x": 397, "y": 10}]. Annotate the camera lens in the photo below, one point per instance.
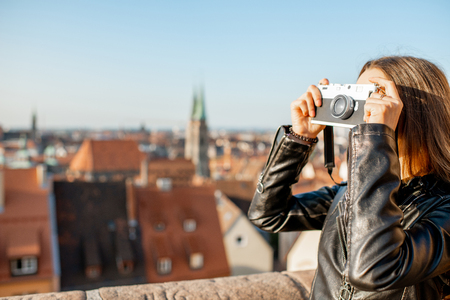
[
  {"x": 339, "y": 106},
  {"x": 342, "y": 107}
]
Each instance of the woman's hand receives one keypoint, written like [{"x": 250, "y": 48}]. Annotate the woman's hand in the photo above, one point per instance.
[
  {"x": 303, "y": 109},
  {"x": 384, "y": 108}
]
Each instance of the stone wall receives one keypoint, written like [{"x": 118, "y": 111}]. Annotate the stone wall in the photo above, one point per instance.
[{"x": 273, "y": 285}]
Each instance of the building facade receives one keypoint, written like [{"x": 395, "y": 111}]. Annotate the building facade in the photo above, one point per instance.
[{"x": 247, "y": 250}]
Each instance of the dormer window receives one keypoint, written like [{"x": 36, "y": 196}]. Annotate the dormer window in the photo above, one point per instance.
[
  {"x": 196, "y": 261},
  {"x": 194, "y": 252},
  {"x": 159, "y": 226},
  {"x": 26, "y": 265},
  {"x": 164, "y": 266},
  {"x": 189, "y": 225}
]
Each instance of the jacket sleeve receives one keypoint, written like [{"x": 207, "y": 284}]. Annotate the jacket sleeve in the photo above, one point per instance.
[
  {"x": 381, "y": 254},
  {"x": 273, "y": 207}
]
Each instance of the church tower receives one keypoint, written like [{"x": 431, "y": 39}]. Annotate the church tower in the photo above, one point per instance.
[
  {"x": 196, "y": 145},
  {"x": 33, "y": 126}
]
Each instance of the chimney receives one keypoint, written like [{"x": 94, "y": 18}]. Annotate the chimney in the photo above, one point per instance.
[
  {"x": 131, "y": 201},
  {"x": 144, "y": 172},
  {"x": 131, "y": 209},
  {"x": 41, "y": 174},
  {"x": 164, "y": 184},
  {"x": 2, "y": 190}
]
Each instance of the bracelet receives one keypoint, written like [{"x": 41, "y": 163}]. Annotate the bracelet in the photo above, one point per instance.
[{"x": 303, "y": 138}]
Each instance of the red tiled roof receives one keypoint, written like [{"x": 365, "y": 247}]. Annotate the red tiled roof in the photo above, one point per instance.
[
  {"x": 23, "y": 180},
  {"x": 242, "y": 189},
  {"x": 23, "y": 240},
  {"x": 24, "y": 224},
  {"x": 107, "y": 156},
  {"x": 172, "y": 208},
  {"x": 180, "y": 170}
]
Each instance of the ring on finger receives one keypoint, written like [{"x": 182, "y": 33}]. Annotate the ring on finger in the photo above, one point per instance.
[{"x": 382, "y": 96}]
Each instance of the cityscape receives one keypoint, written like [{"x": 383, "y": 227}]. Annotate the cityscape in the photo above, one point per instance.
[
  {"x": 133, "y": 136},
  {"x": 85, "y": 209}
]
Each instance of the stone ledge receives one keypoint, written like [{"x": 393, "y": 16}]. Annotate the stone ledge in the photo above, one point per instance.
[
  {"x": 73, "y": 295},
  {"x": 303, "y": 278},
  {"x": 273, "y": 285}
]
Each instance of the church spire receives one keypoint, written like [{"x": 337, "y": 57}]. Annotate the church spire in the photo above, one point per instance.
[
  {"x": 34, "y": 125},
  {"x": 198, "y": 109}
]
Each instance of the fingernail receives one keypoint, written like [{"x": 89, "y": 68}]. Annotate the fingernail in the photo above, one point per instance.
[{"x": 312, "y": 113}]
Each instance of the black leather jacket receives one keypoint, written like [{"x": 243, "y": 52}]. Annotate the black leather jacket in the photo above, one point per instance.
[{"x": 381, "y": 238}]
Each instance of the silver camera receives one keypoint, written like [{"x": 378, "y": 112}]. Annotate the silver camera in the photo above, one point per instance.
[{"x": 343, "y": 104}]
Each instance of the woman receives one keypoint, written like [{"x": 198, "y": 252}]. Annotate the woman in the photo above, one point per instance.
[{"x": 386, "y": 234}]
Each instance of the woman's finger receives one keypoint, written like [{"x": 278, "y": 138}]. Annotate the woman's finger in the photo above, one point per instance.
[
  {"x": 378, "y": 95},
  {"x": 386, "y": 102},
  {"x": 381, "y": 108},
  {"x": 324, "y": 81},
  {"x": 388, "y": 85},
  {"x": 309, "y": 101},
  {"x": 300, "y": 106},
  {"x": 316, "y": 96}
]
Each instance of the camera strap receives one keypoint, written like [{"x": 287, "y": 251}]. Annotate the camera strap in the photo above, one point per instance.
[{"x": 328, "y": 152}]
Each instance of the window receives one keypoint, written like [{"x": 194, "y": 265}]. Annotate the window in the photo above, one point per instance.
[
  {"x": 241, "y": 240},
  {"x": 228, "y": 215},
  {"x": 196, "y": 261},
  {"x": 88, "y": 177},
  {"x": 125, "y": 267},
  {"x": 164, "y": 266},
  {"x": 93, "y": 272},
  {"x": 189, "y": 225},
  {"x": 111, "y": 225},
  {"x": 26, "y": 265},
  {"x": 159, "y": 226}
]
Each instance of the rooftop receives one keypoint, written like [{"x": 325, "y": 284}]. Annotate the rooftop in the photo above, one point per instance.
[
  {"x": 180, "y": 170},
  {"x": 179, "y": 224},
  {"x": 93, "y": 236},
  {"x": 107, "y": 156},
  {"x": 24, "y": 225}
]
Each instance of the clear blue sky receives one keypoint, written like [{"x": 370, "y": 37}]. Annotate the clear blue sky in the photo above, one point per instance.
[{"x": 116, "y": 64}]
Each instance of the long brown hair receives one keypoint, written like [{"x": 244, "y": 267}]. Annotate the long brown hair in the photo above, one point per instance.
[{"x": 424, "y": 125}]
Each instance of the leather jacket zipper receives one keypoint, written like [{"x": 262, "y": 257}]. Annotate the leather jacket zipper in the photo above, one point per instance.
[
  {"x": 413, "y": 194},
  {"x": 417, "y": 190},
  {"x": 341, "y": 225},
  {"x": 341, "y": 238},
  {"x": 417, "y": 195},
  {"x": 346, "y": 290}
]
